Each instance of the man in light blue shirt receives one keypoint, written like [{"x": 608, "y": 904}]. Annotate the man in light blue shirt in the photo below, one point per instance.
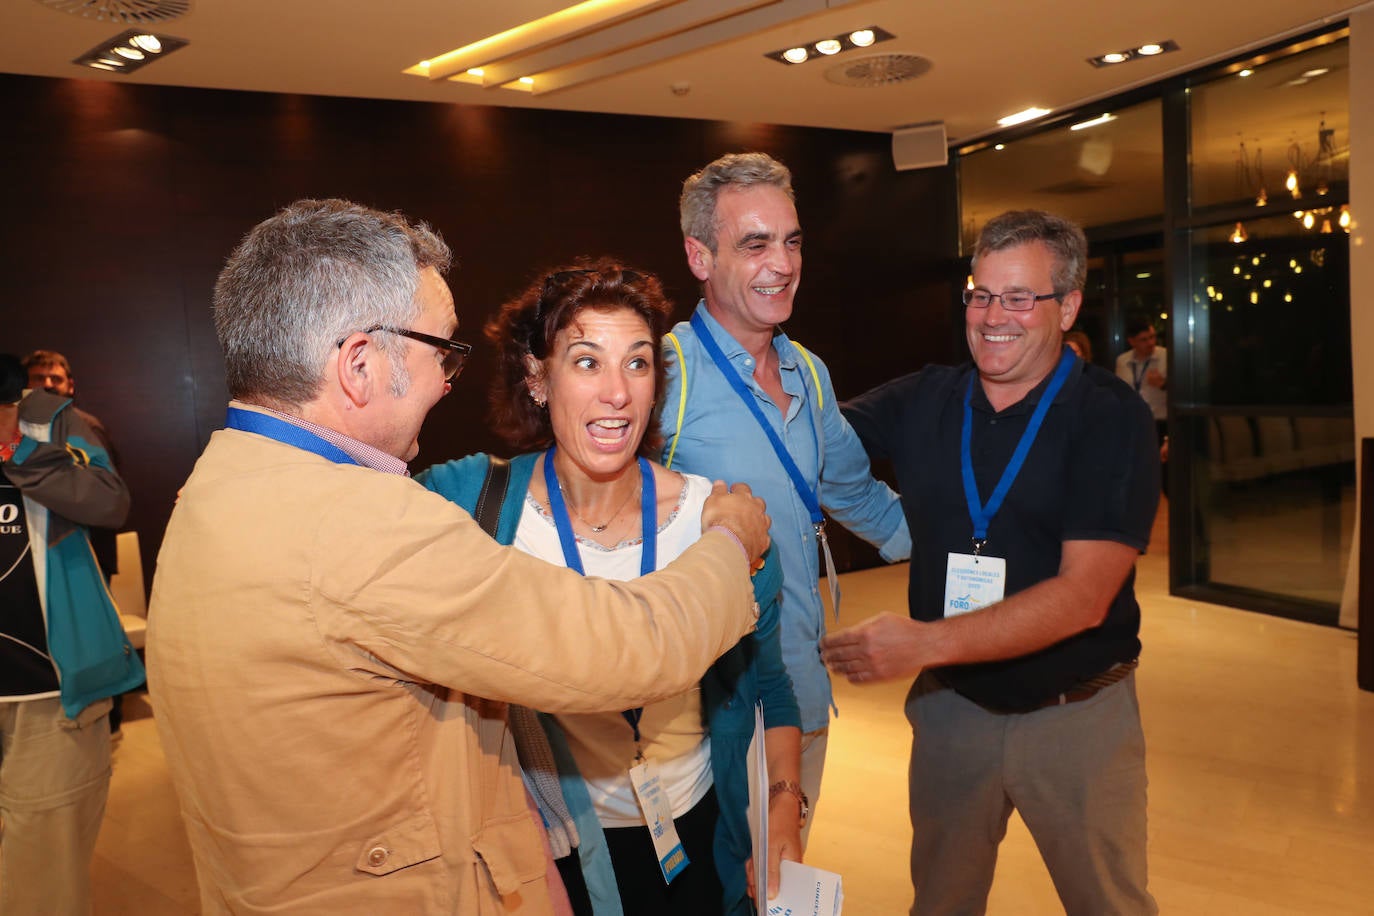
[{"x": 734, "y": 377}]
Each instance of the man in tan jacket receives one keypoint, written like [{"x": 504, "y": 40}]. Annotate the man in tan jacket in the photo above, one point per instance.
[{"x": 331, "y": 646}]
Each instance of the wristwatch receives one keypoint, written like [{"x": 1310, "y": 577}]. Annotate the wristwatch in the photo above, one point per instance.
[{"x": 787, "y": 785}]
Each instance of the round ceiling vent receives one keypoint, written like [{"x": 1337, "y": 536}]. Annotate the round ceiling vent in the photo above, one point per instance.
[
  {"x": 878, "y": 70},
  {"x": 132, "y": 12}
]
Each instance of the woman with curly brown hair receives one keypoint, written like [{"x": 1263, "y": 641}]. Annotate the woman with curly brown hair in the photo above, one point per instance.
[{"x": 578, "y": 386}]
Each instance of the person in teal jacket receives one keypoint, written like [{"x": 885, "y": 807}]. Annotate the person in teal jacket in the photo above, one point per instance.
[
  {"x": 63, "y": 653},
  {"x": 580, "y": 347}
]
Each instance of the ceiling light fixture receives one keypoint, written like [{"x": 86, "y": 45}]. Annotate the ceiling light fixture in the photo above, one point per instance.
[
  {"x": 1093, "y": 122},
  {"x": 834, "y": 44},
  {"x": 1021, "y": 117},
  {"x": 1238, "y": 235},
  {"x": 1150, "y": 49},
  {"x": 1244, "y": 73},
  {"x": 128, "y": 51}
]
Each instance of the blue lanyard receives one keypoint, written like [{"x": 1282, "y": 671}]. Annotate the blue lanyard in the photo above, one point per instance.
[
  {"x": 1139, "y": 371},
  {"x": 250, "y": 421},
  {"x": 648, "y": 555},
  {"x": 982, "y": 514},
  {"x": 808, "y": 495},
  {"x": 648, "y": 510}
]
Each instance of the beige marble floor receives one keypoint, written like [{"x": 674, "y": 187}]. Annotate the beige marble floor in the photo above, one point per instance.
[{"x": 1261, "y": 759}]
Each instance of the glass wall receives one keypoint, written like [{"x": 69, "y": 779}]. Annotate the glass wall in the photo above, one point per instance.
[
  {"x": 1284, "y": 117},
  {"x": 1101, "y": 170},
  {"x": 1267, "y": 420},
  {"x": 1219, "y": 210},
  {"x": 1270, "y": 315}
]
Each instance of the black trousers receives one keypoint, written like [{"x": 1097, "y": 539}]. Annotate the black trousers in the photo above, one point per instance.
[{"x": 696, "y": 891}]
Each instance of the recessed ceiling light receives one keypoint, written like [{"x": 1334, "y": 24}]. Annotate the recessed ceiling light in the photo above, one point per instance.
[
  {"x": 1093, "y": 122},
  {"x": 1246, "y": 72},
  {"x": 527, "y": 80},
  {"x": 834, "y": 44},
  {"x": 124, "y": 53},
  {"x": 1000, "y": 146},
  {"x": 1149, "y": 49},
  {"x": 1313, "y": 74},
  {"x": 1021, "y": 117},
  {"x": 475, "y": 71}
]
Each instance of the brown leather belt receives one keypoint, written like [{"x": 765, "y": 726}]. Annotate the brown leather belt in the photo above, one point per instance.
[{"x": 1084, "y": 690}]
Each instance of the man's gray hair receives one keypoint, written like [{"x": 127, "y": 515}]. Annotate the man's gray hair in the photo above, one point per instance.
[
  {"x": 1062, "y": 237},
  {"x": 306, "y": 278},
  {"x": 697, "y": 206}
]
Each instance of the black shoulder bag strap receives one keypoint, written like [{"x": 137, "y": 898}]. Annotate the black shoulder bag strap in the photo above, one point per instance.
[{"x": 488, "y": 512}]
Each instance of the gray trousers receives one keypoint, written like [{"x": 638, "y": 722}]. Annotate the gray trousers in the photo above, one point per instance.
[{"x": 1076, "y": 773}]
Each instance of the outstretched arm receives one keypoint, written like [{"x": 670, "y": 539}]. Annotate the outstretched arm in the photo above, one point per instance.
[{"x": 889, "y": 646}]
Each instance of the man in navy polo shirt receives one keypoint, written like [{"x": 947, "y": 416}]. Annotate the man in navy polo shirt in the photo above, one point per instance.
[{"x": 1030, "y": 482}]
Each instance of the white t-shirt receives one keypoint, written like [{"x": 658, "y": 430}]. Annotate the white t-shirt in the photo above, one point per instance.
[
  {"x": 1132, "y": 369},
  {"x": 672, "y": 731}
]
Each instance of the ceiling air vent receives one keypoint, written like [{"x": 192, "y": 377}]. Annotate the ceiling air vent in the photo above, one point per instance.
[
  {"x": 132, "y": 12},
  {"x": 878, "y": 70}
]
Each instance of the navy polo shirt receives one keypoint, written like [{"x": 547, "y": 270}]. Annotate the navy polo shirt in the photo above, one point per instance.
[{"x": 1092, "y": 474}]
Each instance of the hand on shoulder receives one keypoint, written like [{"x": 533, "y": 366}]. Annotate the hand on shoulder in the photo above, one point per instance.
[{"x": 741, "y": 513}]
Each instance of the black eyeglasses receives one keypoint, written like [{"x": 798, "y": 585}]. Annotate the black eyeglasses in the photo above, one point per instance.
[
  {"x": 560, "y": 277},
  {"x": 554, "y": 280},
  {"x": 1015, "y": 301},
  {"x": 455, "y": 352}
]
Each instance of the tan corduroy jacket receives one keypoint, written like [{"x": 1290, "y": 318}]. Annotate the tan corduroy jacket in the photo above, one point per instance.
[{"x": 318, "y": 639}]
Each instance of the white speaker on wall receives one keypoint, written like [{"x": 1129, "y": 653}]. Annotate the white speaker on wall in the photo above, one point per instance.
[{"x": 920, "y": 147}]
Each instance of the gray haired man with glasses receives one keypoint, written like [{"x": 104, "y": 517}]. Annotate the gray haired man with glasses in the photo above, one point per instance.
[
  {"x": 1030, "y": 482},
  {"x": 331, "y": 646}
]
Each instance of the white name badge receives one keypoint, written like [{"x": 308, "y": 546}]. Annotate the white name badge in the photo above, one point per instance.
[
  {"x": 653, "y": 802},
  {"x": 972, "y": 582}
]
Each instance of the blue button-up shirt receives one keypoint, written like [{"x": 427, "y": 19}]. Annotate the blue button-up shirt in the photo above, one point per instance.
[{"x": 721, "y": 439}]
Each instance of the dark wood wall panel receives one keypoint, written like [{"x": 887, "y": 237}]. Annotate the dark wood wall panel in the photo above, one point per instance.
[{"x": 124, "y": 200}]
